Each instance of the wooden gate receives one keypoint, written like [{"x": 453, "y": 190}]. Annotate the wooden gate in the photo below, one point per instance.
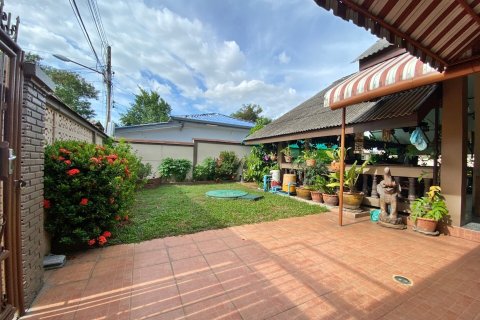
[{"x": 11, "y": 89}]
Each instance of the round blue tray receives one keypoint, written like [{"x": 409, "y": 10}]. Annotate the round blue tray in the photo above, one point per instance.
[{"x": 225, "y": 194}]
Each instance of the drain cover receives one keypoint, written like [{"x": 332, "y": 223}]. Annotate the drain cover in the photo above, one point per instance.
[{"x": 403, "y": 280}]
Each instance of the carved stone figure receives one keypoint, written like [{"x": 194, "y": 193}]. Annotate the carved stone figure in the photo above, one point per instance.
[{"x": 388, "y": 189}]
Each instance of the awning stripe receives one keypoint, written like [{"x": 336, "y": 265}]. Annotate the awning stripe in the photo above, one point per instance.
[{"x": 390, "y": 72}]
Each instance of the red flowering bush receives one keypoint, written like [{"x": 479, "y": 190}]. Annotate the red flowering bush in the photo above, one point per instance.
[{"x": 86, "y": 188}]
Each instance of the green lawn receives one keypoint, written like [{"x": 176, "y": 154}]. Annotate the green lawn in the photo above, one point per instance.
[{"x": 181, "y": 209}]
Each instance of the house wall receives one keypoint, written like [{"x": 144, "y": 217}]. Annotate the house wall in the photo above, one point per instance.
[
  {"x": 182, "y": 133},
  {"x": 207, "y": 149}
]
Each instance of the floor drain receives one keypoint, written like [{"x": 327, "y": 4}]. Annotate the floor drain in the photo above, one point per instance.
[{"x": 403, "y": 280}]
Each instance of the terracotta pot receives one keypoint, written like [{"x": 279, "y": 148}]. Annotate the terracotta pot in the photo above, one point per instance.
[
  {"x": 310, "y": 162},
  {"x": 352, "y": 200},
  {"x": 273, "y": 158},
  {"x": 426, "y": 225},
  {"x": 334, "y": 166},
  {"x": 330, "y": 199},
  {"x": 288, "y": 159},
  {"x": 303, "y": 193},
  {"x": 316, "y": 196}
]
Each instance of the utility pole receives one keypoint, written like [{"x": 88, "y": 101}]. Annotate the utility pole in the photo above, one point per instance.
[{"x": 108, "y": 82}]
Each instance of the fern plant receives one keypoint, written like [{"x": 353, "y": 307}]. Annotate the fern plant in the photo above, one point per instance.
[{"x": 432, "y": 206}]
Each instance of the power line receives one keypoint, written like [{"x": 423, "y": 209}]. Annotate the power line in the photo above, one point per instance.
[
  {"x": 97, "y": 20},
  {"x": 73, "y": 4}
]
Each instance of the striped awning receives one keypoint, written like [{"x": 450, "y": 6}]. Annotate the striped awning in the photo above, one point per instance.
[
  {"x": 391, "y": 72},
  {"x": 442, "y": 33}
]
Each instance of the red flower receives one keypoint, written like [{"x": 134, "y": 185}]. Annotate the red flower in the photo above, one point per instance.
[
  {"x": 99, "y": 148},
  {"x": 92, "y": 242},
  {"x": 63, "y": 150},
  {"x": 61, "y": 158},
  {"x": 117, "y": 218},
  {"x": 127, "y": 172},
  {"x": 110, "y": 161},
  {"x": 68, "y": 162},
  {"x": 47, "y": 204},
  {"x": 125, "y": 218},
  {"x": 102, "y": 240},
  {"x": 84, "y": 202},
  {"x": 95, "y": 160},
  {"x": 73, "y": 172},
  {"x": 107, "y": 234},
  {"x": 111, "y": 158}
]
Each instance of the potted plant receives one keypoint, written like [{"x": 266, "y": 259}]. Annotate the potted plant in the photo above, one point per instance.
[
  {"x": 273, "y": 156},
  {"x": 329, "y": 195},
  {"x": 287, "y": 154},
  {"x": 318, "y": 188},
  {"x": 334, "y": 155},
  {"x": 427, "y": 211},
  {"x": 351, "y": 198},
  {"x": 310, "y": 157}
]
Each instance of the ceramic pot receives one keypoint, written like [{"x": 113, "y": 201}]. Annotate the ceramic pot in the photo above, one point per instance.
[
  {"x": 426, "y": 225},
  {"x": 352, "y": 200},
  {"x": 316, "y": 196},
  {"x": 334, "y": 166},
  {"x": 330, "y": 199},
  {"x": 310, "y": 162},
  {"x": 303, "y": 193}
]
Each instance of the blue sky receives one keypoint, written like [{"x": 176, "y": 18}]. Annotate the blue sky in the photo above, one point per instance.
[{"x": 201, "y": 56}]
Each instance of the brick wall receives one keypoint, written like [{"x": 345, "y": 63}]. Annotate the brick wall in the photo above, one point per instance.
[{"x": 32, "y": 164}]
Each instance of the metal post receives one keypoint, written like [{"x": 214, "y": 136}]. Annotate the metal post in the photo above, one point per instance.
[
  {"x": 108, "y": 82},
  {"x": 342, "y": 169}
]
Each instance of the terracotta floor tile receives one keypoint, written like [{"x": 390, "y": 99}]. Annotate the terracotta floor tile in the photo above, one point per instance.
[
  {"x": 298, "y": 268},
  {"x": 149, "y": 258},
  {"x": 183, "y": 251},
  {"x": 213, "y": 245},
  {"x": 215, "y": 308},
  {"x": 71, "y": 273}
]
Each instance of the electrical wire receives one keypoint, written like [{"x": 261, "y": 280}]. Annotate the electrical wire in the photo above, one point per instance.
[
  {"x": 97, "y": 20},
  {"x": 77, "y": 14}
]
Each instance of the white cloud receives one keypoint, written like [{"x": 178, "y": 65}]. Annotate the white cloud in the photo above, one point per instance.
[{"x": 283, "y": 58}]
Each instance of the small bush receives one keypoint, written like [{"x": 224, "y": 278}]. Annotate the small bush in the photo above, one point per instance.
[
  {"x": 87, "y": 188},
  {"x": 227, "y": 165},
  {"x": 205, "y": 171},
  {"x": 144, "y": 170},
  {"x": 174, "y": 169},
  {"x": 256, "y": 165}
]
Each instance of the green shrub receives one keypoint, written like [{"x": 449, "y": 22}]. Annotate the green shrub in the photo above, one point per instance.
[
  {"x": 227, "y": 165},
  {"x": 255, "y": 166},
  {"x": 205, "y": 171},
  {"x": 144, "y": 170},
  {"x": 87, "y": 188},
  {"x": 174, "y": 169}
]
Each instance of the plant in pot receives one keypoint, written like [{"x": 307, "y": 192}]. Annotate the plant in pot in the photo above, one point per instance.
[
  {"x": 351, "y": 198},
  {"x": 309, "y": 178},
  {"x": 329, "y": 195},
  {"x": 334, "y": 155},
  {"x": 318, "y": 188},
  {"x": 427, "y": 211},
  {"x": 273, "y": 156},
  {"x": 287, "y": 154},
  {"x": 310, "y": 157}
]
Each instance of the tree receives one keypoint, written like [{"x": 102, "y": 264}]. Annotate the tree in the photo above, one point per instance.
[
  {"x": 148, "y": 107},
  {"x": 70, "y": 87},
  {"x": 249, "y": 112},
  {"x": 260, "y": 123}
]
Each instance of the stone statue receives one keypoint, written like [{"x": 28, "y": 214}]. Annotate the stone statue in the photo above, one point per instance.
[{"x": 388, "y": 189}]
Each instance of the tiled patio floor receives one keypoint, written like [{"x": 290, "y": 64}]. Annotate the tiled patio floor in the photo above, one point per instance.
[{"x": 299, "y": 268}]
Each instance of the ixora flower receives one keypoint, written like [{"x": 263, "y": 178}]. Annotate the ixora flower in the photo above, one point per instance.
[
  {"x": 47, "y": 204},
  {"x": 92, "y": 242},
  {"x": 65, "y": 151},
  {"x": 73, "y": 172},
  {"x": 84, "y": 202},
  {"x": 102, "y": 240},
  {"x": 111, "y": 158},
  {"x": 118, "y": 218},
  {"x": 60, "y": 158},
  {"x": 68, "y": 162},
  {"x": 127, "y": 172},
  {"x": 95, "y": 160},
  {"x": 107, "y": 234}
]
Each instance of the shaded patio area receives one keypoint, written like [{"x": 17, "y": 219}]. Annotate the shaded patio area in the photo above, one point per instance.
[{"x": 297, "y": 268}]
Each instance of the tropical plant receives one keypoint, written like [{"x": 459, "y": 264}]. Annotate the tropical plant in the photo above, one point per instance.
[
  {"x": 255, "y": 167},
  {"x": 432, "y": 206},
  {"x": 205, "y": 171},
  {"x": 175, "y": 169},
  {"x": 350, "y": 177},
  {"x": 309, "y": 154},
  {"x": 323, "y": 183},
  {"x": 335, "y": 154},
  {"x": 311, "y": 173},
  {"x": 87, "y": 188},
  {"x": 287, "y": 151},
  {"x": 227, "y": 165}
]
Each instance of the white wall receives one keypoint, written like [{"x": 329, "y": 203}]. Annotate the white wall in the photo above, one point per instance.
[{"x": 184, "y": 133}]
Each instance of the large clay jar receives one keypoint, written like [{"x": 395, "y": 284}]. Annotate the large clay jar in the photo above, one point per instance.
[
  {"x": 303, "y": 193},
  {"x": 330, "y": 199},
  {"x": 426, "y": 225},
  {"x": 316, "y": 196},
  {"x": 352, "y": 200}
]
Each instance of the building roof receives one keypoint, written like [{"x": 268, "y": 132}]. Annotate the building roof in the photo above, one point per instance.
[
  {"x": 206, "y": 118},
  {"x": 311, "y": 115},
  {"x": 376, "y": 47},
  {"x": 215, "y": 118}
]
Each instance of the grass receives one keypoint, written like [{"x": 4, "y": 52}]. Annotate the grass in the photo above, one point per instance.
[{"x": 181, "y": 209}]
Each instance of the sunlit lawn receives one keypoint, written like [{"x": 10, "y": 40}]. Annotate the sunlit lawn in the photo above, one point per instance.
[{"x": 182, "y": 209}]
